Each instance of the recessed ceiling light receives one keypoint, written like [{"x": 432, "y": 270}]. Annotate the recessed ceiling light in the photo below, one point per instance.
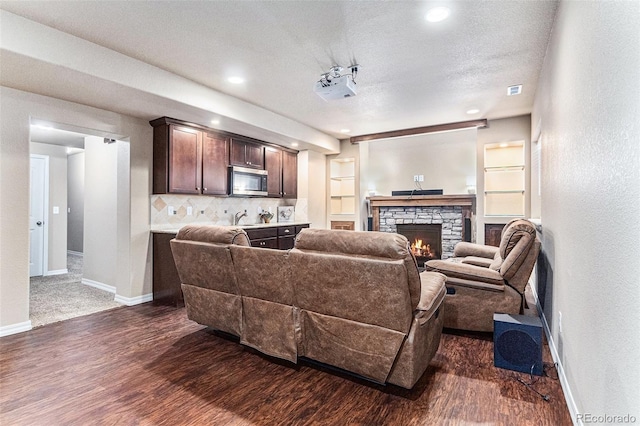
[
  {"x": 344, "y": 130},
  {"x": 294, "y": 144},
  {"x": 215, "y": 121},
  {"x": 235, "y": 80},
  {"x": 437, "y": 14},
  {"x": 473, "y": 111}
]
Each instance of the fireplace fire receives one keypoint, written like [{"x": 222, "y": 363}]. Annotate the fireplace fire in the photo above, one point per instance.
[
  {"x": 426, "y": 240},
  {"x": 420, "y": 249}
]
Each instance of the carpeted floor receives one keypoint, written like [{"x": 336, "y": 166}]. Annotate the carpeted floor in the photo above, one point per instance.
[{"x": 59, "y": 297}]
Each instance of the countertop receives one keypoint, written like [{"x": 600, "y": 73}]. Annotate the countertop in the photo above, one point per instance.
[{"x": 173, "y": 229}]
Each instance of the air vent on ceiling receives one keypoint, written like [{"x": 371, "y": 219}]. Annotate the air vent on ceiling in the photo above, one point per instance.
[{"x": 514, "y": 90}]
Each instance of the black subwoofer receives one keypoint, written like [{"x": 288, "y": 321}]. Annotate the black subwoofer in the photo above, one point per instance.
[{"x": 517, "y": 343}]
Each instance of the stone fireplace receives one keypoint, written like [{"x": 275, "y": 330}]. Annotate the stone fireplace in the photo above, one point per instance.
[{"x": 452, "y": 215}]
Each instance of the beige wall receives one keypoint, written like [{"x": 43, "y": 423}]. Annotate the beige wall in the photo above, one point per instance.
[
  {"x": 588, "y": 104},
  {"x": 16, "y": 109},
  {"x": 75, "y": 202},
  {"x": 57, "y": 247}
]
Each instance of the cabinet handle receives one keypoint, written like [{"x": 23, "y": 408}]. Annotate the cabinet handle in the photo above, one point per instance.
[
  {"x": 197, "y": 189},
  {"x": 286, "y": 231},
  {"x": 262, "y": 243},
  {"x": 204, "y": 189}
]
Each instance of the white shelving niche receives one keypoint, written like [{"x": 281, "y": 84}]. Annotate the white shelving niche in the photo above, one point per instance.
[
  {"x": 343, "y": 186},
  {"x": 504, "y": 179}
]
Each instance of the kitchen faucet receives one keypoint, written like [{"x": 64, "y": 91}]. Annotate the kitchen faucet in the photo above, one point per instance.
[{"x": 237, "y": 218}]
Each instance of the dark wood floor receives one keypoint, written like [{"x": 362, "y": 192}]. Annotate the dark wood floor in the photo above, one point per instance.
[{"x": 148, "y": 365}]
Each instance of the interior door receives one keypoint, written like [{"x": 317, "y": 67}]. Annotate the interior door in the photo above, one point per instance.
[{"x": 38, "y": 187}]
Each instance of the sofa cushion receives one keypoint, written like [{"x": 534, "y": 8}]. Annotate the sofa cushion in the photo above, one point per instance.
[
  {"x": 516, "y": 242},
  {"x": 214, "y": 234},
  {"x": 364, "y": 244}
]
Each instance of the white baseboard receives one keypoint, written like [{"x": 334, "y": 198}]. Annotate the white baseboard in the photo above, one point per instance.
[
  {"x": 571, "y": 403},
  {"x": 130, "y": 301},
  {"x": 99, "y": 285},
  {"x": 56, "y": 272},
  {"x": 75, "y": 253},
  {"x": 15, "y": 328}
]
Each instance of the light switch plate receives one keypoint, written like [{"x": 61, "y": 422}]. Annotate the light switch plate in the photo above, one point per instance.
[{"x": 56, "y": 210}]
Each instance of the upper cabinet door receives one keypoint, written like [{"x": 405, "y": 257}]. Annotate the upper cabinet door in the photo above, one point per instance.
[
  {"x": 289, "y": 175},
  {"x": 215, "y": 164},
  {"x": 273, "y": 166},
  {"x": 185, "y": 167},
  {"x": 246, "y": 154}
]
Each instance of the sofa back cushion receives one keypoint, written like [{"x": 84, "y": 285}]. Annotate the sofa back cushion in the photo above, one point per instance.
[
  {"x": 379, "y": 245},
  {"x": 517, "y": 240},
  {"x": 203, "y": 259}
]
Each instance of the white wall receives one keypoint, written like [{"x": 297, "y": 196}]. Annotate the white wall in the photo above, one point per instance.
[
  {"x": 100, "y": 211},
  {"x": 588, "y": 104},
  {"x": 16, "y": 110},
  {"x": 447, "y": 160},
  {"x": 310, "y": 205},
  {"x": 75, "y": 202},
  {"x": 57, "y": 227}
]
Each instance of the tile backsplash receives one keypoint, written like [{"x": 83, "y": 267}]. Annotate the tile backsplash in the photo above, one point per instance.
[{"x": 216, "y": 210}]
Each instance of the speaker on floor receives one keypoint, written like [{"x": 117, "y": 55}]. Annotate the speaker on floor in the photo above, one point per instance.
[{"x": 517, "y": 343}]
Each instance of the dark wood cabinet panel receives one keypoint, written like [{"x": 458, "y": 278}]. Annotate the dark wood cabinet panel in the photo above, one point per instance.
[
  {"x": 215, "y": 164},
  {"x": 273, "y": 166},
  {"x": 246, "y": 154},
  {"x": 493, "y": 233},
  {"x": 289, "y": 174},
  {"x": 184, "y": 160},
  {"x": 346, "y": 225},
  {"x": 166, "y": 281}
]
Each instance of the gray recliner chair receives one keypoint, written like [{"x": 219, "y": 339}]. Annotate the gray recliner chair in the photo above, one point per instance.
[{"x": 483, "y": 280}]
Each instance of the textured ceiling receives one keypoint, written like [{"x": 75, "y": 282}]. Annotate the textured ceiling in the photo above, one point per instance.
[{"x": 412, "y": 73}]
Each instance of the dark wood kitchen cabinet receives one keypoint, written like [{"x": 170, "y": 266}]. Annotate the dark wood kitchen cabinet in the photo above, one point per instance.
[
  {"x": 187, "y": 160},
  {"x": 246, "y": 154},
  {"x": 275, "y": 237},
  {"x": 282, "y": 168},
  {"x": 289, "y": 174},
  {"x": 273, "y": 166},
  {"x": 166, "y": 281}
]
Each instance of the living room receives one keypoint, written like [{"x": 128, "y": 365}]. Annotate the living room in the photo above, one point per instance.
[{"x": 582, "y": 117}]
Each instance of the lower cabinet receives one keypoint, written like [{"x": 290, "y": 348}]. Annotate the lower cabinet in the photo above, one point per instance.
[
  {"x": 275, "y": 237},
  {"x": 166, "y": 281}
]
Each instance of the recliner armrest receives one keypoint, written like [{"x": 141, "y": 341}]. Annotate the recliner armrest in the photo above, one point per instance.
[
  {"x": 464, "y": 249},
  {"x": 465, "y": 271},
  {"x": 482, "y": 262}
]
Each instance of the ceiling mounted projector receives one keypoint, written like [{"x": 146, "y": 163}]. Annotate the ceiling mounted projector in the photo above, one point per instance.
[{"x": 334, "y": 85}]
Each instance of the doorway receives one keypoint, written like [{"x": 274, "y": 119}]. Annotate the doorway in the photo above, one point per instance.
[{"x": 65, "y": 288}]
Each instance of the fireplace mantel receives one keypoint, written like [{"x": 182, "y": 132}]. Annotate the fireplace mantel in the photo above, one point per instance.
[{"x": 466, "y": 201}]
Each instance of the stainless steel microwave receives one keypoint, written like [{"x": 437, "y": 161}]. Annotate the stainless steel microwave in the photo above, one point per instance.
[{"x": 247, "y": 182}]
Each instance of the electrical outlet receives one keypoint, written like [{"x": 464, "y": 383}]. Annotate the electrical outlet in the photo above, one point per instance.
[
  {"x": 189, "y": 211},
  {"x": 420, "y": 178},
  {"x": 559, "y": 322},
  {"x": 171, "y": 210},
  {"x": 415, "y": 178}
]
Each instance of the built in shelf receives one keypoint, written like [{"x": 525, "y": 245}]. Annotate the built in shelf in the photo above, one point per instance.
[{"x": 515, "y": 191}]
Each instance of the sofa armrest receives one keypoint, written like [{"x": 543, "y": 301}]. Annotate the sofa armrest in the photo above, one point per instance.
[
  {"x": 482, "y": 262},
  {"x": 464, "y": 249},
  {"x": 465, "y": 271},
  {"x": 432, "y": 292}
]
